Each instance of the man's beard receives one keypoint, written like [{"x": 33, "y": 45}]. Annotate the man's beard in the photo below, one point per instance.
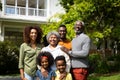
[{"x": 78, "y": 32}]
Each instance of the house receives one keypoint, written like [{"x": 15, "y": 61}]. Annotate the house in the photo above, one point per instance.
[{"x": 16, "y": 14}]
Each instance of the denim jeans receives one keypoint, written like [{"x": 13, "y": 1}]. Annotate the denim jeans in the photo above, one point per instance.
[{"x": 29, "y": 77}]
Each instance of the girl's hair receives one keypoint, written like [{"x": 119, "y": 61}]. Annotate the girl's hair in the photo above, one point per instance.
[
  {"x": 26, "y": 34},
  {"x": 45, "y": 54},
  {"x": 53, "y": 33},
  {"x": 60, "y": 58}
]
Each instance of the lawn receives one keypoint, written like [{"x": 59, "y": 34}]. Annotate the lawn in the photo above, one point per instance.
[
  {"x": 105, "y": 77},
  {"x": 113, "y": 76}
]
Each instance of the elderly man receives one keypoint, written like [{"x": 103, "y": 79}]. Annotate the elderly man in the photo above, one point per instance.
[{"x": 79, "y": 52}]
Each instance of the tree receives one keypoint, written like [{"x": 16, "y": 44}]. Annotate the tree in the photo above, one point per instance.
[
  {"x": 66, "y": 4},
  {"x": 101, "y": 17}
]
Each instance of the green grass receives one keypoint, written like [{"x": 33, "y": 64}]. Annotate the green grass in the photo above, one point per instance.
[
  {"x": 113, "y": 77},
  {"x": 105, "y": 77}
]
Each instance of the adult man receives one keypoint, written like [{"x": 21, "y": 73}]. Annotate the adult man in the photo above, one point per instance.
[
  {"x": 79, "y": 52},
  {"x": 62, "y": 30}
]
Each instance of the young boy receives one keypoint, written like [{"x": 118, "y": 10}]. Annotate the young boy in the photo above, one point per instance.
[{"x": 61, "y": 73}]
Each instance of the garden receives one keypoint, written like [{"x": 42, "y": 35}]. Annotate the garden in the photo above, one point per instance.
[
  {"x": 101, "y": 67},
  {"x": 102, "y": 24}
]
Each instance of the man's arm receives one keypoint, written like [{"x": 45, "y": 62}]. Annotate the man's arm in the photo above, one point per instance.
[{"x": 84, "y": 51}]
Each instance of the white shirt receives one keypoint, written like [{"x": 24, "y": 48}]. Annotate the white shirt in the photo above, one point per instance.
[{"x": 58, "y": 52}]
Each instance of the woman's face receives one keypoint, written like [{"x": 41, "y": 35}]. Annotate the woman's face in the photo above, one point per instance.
[
  {"x": 33, "y": 34},
  {"x": 53, "y": 40}
]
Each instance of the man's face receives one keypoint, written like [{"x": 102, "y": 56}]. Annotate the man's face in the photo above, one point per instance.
[
  {"x": 78, "y": 28},
  {"x": 62, "y": 31}
]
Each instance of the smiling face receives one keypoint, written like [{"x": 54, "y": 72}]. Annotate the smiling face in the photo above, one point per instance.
[
  {"x": 33, "y": 34},
  {"x": 53, "y": 40},
  {"x": 62, "y": 31},
  {"x": 44, "y": 62},
  {"x": 78, "y": 27},
  {"x": 61, "y": 66}
]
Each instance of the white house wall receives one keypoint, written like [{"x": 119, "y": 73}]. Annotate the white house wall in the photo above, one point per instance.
[
  {"x": 18, "y": 22},
  {"x": 55, "y": 7},
  {"x": 7, "y": 26}
]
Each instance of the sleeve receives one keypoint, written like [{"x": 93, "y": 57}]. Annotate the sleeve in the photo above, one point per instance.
[
  {"x": 21, "y": 57},
  {"x": 53, "y": 74},
  {"x": 68, "y": 62},
  {"x": 85, "y": 50},
  {"x": 36, "y": 74}
]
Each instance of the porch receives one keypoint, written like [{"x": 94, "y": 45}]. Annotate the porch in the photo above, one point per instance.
[{"x": 26, "y": 7}]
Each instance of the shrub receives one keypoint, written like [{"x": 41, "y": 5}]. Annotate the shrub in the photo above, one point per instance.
[
  {"x": 114, "y": 63},
  {"x": 98, "y": 64},
  {"x": 8, "y": 57}
]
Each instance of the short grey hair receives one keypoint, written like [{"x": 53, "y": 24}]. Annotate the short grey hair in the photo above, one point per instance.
[
  {"x": 79, "y": 21},
  {"x": 53, "y": 33}
]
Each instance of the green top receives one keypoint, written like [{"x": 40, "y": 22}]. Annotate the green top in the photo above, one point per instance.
[{"x": 27, "y": 58}]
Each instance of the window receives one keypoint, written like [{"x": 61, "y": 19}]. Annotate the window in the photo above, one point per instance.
[
  {"x": 26, "y": 7},
  {"x": 14, "y": 35},
  {"x": 10, "y": 9}
]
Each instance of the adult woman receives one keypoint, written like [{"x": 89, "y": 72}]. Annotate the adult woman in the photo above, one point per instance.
[
  {"x": 55, "y": 49},
  {"x": 28, "y": 52}
]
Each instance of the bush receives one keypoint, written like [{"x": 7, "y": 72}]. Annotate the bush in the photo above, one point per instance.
[
  {"x": 8, "y": 57},
  {"x": 98, "y": 64},
  {"x": 114, "y": 63}
]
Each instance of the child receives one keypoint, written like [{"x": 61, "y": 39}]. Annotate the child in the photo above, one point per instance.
[
  {"x": 61, "y": 73},
  {"x": 45, "y": 60}
]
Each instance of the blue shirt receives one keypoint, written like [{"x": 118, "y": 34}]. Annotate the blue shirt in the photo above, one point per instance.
[{"x": 51, "y": 73}]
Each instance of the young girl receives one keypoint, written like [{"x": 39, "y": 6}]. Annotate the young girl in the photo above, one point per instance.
[
  {"x": 61, "y": 73},
  {"x": 45, "y": 60}
]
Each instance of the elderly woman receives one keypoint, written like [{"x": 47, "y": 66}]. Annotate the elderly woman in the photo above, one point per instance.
[{"x": 55, "y": 49}]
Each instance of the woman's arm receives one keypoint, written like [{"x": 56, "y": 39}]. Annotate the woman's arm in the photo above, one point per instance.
[
  {"x": 22, "y": 74},
  {"x": 21, "y": 62}
]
